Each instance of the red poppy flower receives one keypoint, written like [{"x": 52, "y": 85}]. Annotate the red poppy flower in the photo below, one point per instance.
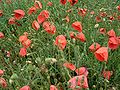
[
  {"x": 1, "y": 35},
  {"x": 102, "y": 30},
  {"x": 18, "y": 14},
  {"x": 43, "y": 16},
  {"x": 81, "y": 37},
  {"x": 61, "y": 41},
  {"x": 111, "y": 33},
  {"x": 53, "y": 87},
  {"x": 107, "y": 74},
  {"x": 103, "y": 14},
  {"x": 63, "y": 2},
  {"x": 35, "y": 25},
  {"x": 118, "y": 40},
  {"x": 26, "y": 43},
  {"x": 23, "y": 52},
  {"x": 31, "y": 10},
  {"x": 1, "y": 13},
  {"x": 1, "y": 72},
  {"x": 118, "y": 17},
  {"x": 113, "y": 43},
  {"x": 80, "y": 81},
  {"x": 77, "y": 26},
  {"x": 92, "y": 12},
  {"x": 50, "y": 28},
  {"x": 81, "y": 71},
  {"x": 94, "y": 47},
  {"x": 70, "y": 66},
  {"x": 23, "y": 38},
  {"x": 102, "y": 54},
  {"x": 98, "y": 19},
  {"x": 49, "y": 3},
  {"x": 3, "y": 83},
  {"x": 38, "y": 4},
  {"x": 73, "y": 2},
  {"x": 25, "y": 88},
  {"x": 118, "y": 7},
  {"x": 11, "y": 21},
  {"x": 82, "y": 12},
  {"x": 8, "y": 54},
  {"x": 111, "y": 18},
  {"x": 72, "y": 34}
]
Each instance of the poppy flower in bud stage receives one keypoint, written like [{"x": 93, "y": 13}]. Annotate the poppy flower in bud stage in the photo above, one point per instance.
[
  {"x": 32, "y": 10},
  {"x": 102, "y": 54},
  {"x": 80, "y": 81},
  {"x": 25, "y": 88},
  {"x": 1, "y": 13},
  {"x": 18, "y": 14},
  {"x": 3, "y": 83},
  {"x": 1, "y": 72},
  {"x": 80, "y": 36},
  {"x": 102, "y": 30},
  {"x": 35, "y": 25},
  {"x": 73, "y": 2},
  {"x": 107, "y": 74},
  {"x": 94, "y": 47},
  {"x": 26, "y": 43},
  {"x": 113, "y": 43},
  {"x": 23, "y": 52},
  {"x": 22, "y": 38},
  {"x": 111, "y": 33},
  {"x": 43, "y": 16},
  {"x": 1, "y": 35},
  {"x": 37, "y": 4},
  {"x": 63, "y": 2},
  {"x": 72, "y": 34},
  {"x": 118, "y": 7},
  {"x": 82, "y": 11},
  {"x": 69, "y": 66},
  {"x": 48, "y": 27},
  {"x": 77, "y": 26},
  {"x": 61, "y": 42},
  {"x": 98, "y": 19},
  {"x": 81, "y": 71},
  {"x": 53, "y": 87},
  {"x": 11, "y": 21}
]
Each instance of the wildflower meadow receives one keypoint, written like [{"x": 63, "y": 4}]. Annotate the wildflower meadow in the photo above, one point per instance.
[{"x": 59, "y": 44}]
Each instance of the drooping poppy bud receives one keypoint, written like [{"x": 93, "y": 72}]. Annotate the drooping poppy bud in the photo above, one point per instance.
[
  {"x": 113, "y": 43},
  {"x": 35, "y": 25},
  {"x": 80, "y": 36},
  {"x": 77, "y": 26},
  {"x": 61, "y": 41},
  {"x": 94, "y": 47},
  {"x": 69, "y": 66},
  {"x": 23, "y": 52},
  {"x": 79, "y": 81},
  {"x": 81, "y": 71},
  {"x": 102, "y": 54},
  {"x": 18, "y": 14},
  {"x": 25, "y": 88},
  {"x": 53, "y": 87}
]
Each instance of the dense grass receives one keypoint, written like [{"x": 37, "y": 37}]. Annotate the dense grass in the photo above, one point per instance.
[{"x": 40, "y": 74}]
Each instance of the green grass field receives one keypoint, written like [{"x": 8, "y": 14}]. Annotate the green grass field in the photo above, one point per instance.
[{"x": 43, "y": 63}]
